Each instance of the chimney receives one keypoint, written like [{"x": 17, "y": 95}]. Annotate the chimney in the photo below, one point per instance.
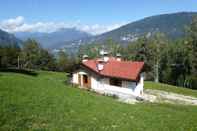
[
  {"x": 118, "y": 57},
  {"x": 85, "y": 58},
  {"x": 100, "y": 65},
  {"x": 105, "y": 56}
]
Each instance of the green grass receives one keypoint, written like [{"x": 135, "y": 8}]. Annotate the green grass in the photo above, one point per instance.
[
  {"x": 45, "y": 102},
  {"x": 170, "y": 88}
]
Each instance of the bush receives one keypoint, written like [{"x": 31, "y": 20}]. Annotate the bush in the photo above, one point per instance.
[
  {"x": 20, "y": 71},
  {"x": 192, "y": 82}
]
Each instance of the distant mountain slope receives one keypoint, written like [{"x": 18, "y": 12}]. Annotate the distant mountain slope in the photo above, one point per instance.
[
  {"x": 54, "y": 39},
  {"x": 7, "y": 39},
  {"x": 173, "y": 25}
]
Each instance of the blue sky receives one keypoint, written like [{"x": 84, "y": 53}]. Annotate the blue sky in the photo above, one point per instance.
[{"x": 90, "y": 12}]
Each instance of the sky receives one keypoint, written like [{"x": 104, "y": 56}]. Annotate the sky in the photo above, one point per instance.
[{"x": 93, "y": 16}]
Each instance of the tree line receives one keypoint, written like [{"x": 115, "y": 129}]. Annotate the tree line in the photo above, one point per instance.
[{"x": 32, "y": 56}]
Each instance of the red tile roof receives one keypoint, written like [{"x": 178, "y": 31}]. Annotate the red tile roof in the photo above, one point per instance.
[{"x": 129, "y": 70}]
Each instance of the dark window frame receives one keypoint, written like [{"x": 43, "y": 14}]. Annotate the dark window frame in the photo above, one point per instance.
[{"x": 115, "y": 82}]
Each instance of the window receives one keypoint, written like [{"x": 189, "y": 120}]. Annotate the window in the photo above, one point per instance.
[
  {"x": 115, "y": 82},
  {"x": 85, "y": 79}
]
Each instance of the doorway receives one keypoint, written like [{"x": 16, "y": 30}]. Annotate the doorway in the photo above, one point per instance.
[{"x": 86, "y": 81}]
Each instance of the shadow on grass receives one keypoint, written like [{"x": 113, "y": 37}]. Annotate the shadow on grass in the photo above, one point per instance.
[{"x": 20, "y": 71}]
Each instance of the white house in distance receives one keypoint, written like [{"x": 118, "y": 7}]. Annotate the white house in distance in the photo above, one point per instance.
[{"x": 110, "y": 75}]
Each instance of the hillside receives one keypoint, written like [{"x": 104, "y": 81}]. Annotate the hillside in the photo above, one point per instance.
[
  {"x": 173, "y": 25},
  {"x": 7, "y": 39},
  {"x": 54, "y": 39},
  {"x": 43, "y": 101}
]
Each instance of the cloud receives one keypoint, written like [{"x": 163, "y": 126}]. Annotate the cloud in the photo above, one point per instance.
[
  {"x": 99, "y": 29},
  {"x": 12, "y": 24},
  {"x": 19, "y": 24}
]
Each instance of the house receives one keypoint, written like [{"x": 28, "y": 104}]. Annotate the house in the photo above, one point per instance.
[{"x": 110, "y": 75}]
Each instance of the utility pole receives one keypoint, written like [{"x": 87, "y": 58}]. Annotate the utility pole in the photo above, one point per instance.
[
  {"x": 18, "y": 62},
  {"x": 157, "y": 72},
  {"x": 157, "y": 63}
]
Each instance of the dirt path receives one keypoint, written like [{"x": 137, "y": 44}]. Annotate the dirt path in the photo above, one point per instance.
[{"x": 159, "y": 96}]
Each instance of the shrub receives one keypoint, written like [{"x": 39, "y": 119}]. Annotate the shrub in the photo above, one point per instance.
[{"x": 192, "y": 82}]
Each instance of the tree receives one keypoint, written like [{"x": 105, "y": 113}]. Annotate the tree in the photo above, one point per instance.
[
  {"x": 92, "y": 50},
  {"x": 112, "y": 47},
  {"x": 9, "y": 55},
  {"x": 192, "y": 43},
  {"x": 137, "y": 50},
  {"x": 158, "y": 45},
  {"x": 62, "y": 61},
  {"x": 175, "y": 66},
  {"x": 47, "y": 60},
  {"x": 142, "y": 50},
  {"x": 33, "y": 56}
]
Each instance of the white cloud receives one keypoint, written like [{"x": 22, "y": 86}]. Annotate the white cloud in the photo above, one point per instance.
[
  {"x": 98, "y": 29},
  {"x": 19, "y": 24},
  {"x": 12, "y": 24}
]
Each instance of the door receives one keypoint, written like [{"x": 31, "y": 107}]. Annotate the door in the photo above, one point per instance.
[{"x": 87, "y": 81}]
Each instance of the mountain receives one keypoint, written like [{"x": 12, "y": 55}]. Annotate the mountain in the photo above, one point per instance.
[
  {"x": 55, "y": 39},
  {"x": 7, "y": 39},
  {"x": 173, "y": 25}
]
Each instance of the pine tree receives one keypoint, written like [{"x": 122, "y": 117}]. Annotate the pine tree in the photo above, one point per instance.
[{"x": 192, "y": 43}]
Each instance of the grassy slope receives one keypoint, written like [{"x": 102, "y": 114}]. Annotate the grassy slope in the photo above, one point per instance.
[
  {"x": 170, "y": 88},
  {"x": 44, "y": 102}
]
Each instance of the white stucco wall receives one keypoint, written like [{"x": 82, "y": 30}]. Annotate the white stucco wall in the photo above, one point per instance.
[
  {"x": 128, "y": 88},
  {"x": 75, "y": 78}
]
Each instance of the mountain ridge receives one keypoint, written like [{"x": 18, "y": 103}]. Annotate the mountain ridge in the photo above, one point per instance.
[
  {"x": 53, "y": 39},
  {"x": 7, "y": 39},
  {"x": 155, "y": 22}
]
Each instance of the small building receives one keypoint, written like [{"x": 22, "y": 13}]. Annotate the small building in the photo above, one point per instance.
[{"x": 110, "y": 75}]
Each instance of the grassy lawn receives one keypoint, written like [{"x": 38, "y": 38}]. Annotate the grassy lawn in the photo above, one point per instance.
[
  {"x": 45, "y": 102},
  {"x": 170, "y": 88}
]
